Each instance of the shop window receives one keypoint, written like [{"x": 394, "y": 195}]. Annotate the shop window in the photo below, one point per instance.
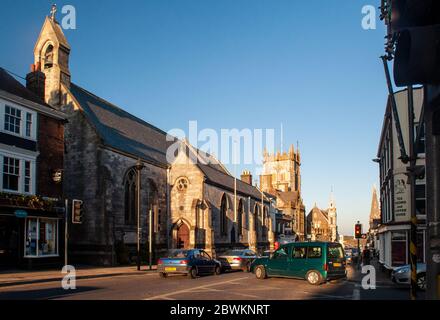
[
  {"x": 41, "y": 237},
  {"x": 399, "y": 248}
]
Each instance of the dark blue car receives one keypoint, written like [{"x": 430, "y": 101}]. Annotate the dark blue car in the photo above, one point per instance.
[{"x": 192, "y": 262}]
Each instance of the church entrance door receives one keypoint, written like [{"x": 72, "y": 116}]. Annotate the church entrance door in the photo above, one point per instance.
[{"x": 183, "y": 237}]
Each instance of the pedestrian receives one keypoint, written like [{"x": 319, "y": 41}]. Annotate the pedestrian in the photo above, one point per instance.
[{"x": 366, "y": 256}]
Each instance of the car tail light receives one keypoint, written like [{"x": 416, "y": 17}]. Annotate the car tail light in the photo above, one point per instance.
[
  {"x": 237, "y": 259},
  {"x": 159, "y": 262},
  {"x": 325, "y": 266},
  {"x": 184, "y": 262}
]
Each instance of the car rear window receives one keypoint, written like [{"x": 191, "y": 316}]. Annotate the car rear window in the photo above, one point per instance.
[
  {"x": 178, "y": 254},
  {"x": 335, "y": 252}
]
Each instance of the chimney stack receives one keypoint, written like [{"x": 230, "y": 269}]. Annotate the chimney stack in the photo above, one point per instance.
[
  {"x": 246, "y": 176},
  {"x": 35, "y": 81}
]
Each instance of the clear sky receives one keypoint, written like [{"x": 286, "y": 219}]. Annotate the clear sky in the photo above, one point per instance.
[{"x": 235, "y": 64}]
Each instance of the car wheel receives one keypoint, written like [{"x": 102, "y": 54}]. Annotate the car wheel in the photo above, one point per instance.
[
  {"x": 314, "y": 277},
  {"x": 421, "y": 281},
  {"x": 260, "y": 273},
  {"x": 218, "y": 270},
  {"x": 163, "y": 275},
  {"x": 193, "y": 273}
]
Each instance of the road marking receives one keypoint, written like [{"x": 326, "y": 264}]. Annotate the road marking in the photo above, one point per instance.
[
  {"x": 51, "y": 281},
  {"x": 191, "y": 289},
  {"x": 231, "y": 292},
  {"x": 356, "y": 292}
]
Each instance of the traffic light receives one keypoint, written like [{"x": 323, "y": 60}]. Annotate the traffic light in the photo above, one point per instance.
[
  {"x": 77, "y": 211},
  {"x": 358, "y": 231},
  {"x": 414, "y": 25}
]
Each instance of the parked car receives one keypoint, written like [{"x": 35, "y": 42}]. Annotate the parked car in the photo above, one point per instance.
[
  {"x": 237, "y": 259},
  {"x": 193, "y": 263},
  {"x": 316, "y": 262},
  {"x": 348, "y": 256},
  {"x": 402, "y": 275}
]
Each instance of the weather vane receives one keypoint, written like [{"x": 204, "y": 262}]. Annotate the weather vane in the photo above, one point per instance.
[{"x": 53, "y": 11}]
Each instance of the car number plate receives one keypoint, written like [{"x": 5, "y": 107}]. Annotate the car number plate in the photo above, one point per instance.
[
  {"x": 170, "y": 269},
  {"x": 337, "y": 264}
]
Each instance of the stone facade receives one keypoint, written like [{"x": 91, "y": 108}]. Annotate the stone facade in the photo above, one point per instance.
[
  {"x": 281, "y": 177},
  {"x": 322, "y": 224},
  {"x": 189, "y": 207}
]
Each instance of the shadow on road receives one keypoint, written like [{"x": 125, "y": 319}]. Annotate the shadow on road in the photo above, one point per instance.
[{"x": 43, "y": 294}]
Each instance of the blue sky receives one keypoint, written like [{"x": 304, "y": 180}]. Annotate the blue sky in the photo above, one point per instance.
[{"x": 235, "y": 64}]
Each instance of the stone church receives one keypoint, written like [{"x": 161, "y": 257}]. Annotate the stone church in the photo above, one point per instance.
[
  {"x": 322, "y": 224},
  {"x": 281, "y": 177},
  {"x": 191, "y": 204}
]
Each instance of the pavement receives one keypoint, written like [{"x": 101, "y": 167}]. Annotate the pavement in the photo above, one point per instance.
[
  {"x": 18, "y": 277},
  {"x": 126, "y": 283}
]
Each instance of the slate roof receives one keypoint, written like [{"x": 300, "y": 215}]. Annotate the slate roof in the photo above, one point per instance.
[
  {"x": 21, "y": 94},
  {"x": 9, "y": 84},
  {"x": 121, "y": 130}
]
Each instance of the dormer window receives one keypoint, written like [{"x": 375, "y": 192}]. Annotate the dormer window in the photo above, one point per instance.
[{"x": 48, "y": 57}]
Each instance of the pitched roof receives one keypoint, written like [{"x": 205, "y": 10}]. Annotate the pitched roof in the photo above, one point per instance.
[
  {"x": 9, "y": 84},
  {"x": 18, "y": 93},
  {"x": 288, "y": 196},
  {"x": 121, "y": 130}
]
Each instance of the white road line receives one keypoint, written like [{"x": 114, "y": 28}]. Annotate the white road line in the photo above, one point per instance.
[
  {"x": 191, "y": 289},
  {"x": 356, "y": 292}
]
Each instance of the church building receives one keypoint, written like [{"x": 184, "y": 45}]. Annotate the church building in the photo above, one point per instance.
[
  {"x": 191, "y": 204},
  {"x": 322, "y": 224}
]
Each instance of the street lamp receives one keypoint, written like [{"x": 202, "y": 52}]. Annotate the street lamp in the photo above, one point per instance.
[{"x": 139, "y": 166}]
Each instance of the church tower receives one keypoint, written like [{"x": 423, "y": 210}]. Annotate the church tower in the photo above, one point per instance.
[
  {"x": 51, "y": 57},
  {"x": 281, "y": 171},
  {"x": 332, "y": 219}
]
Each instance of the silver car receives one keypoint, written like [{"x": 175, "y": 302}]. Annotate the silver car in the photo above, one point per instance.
[
  {"x": 402, "y": 275},
  {"x": 238, "y": 259}
]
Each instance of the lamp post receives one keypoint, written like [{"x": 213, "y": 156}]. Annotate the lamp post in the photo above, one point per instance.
[{"x": 139, "y": 166}]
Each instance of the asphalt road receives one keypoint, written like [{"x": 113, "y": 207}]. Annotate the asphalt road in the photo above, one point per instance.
[{"x": 228, "y": 286}]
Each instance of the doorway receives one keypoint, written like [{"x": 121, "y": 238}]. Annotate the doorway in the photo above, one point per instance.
[
  {"x": 183, "y": 237},
  {"x": 9, "y": 241}
]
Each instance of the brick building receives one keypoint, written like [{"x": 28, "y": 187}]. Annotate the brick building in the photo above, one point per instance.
[{"x": 31, "y": 163}]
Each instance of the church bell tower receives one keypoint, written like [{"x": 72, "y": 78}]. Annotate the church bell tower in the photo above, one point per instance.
[{"x": 51, "y": 57}]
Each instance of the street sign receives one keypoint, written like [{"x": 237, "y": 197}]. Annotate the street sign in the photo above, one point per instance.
[
  {"x": 77, "y": 211},
  {"x": 21, "y": 214}
]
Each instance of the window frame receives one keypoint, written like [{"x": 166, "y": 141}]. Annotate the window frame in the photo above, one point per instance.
[
  {"x": 23, "y": 120},
  {"x": 57, "y": 238},
  {"x": 21, "y": 181}
]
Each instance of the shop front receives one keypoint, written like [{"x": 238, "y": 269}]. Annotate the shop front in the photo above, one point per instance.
[
  {"x": 394, "y": 244},
  {"x": 30, "y": 238}
]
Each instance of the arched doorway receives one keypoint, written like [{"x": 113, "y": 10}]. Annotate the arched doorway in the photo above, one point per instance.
[{"x": 183, "y": 237}]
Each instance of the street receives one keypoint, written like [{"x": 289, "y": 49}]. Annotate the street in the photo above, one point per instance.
[{"x": 228, "y": 286}]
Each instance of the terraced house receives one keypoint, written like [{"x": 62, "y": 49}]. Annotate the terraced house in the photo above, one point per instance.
[
  {"x": 31, "y": 163},
  {"x": 191, "y": 205}
]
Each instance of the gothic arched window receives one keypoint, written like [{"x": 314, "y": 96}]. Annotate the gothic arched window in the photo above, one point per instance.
[
  {"x": 224, "y": 215},
  {"x": 240, "y": 218},
  {"x": 48, "y": 57},
  {"x": 153, "y": 205},
  {"x": 256, "y": 218},
  {"x": 130, "y": 197}
]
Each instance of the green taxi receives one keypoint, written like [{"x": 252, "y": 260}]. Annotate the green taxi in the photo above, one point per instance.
[{"x": 317, "y": 262}]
